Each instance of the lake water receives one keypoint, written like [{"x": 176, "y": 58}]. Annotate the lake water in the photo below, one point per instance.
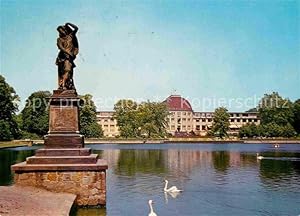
[{"x": 217, "y": 179}]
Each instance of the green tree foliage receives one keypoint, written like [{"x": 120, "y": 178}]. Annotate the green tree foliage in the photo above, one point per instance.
[
  {"x": 88, "y": 118},
  {"x": 221, "y": 123},
  {"x": 275, "y": 109},
  {"x": 5, "y": 131},
  {"x": 147, "y": 119},
  {"x": 35, "y": 115},
  {"x": 296, "y": 111},
  {"x": 252, "y": 110},
  {"x": 8, "y": 108},
  {"x": 153, "y": 119},
  {"x": 279, "y": 118},
  {"x": 249, "y": 130},
  {"x": 126, "y": 115}
]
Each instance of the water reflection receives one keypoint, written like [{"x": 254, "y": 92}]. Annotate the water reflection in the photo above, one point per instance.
[
  {"x": 221, "y": 160},
  {"x": 131, "y": 162},
  {"x": 280, "y": 173},
  {"x": 173, "y": 195},
  {"x": 8, "y": 158}
]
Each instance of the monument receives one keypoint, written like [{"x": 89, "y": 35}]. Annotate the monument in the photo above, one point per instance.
[{"x": 64, "y": 164}]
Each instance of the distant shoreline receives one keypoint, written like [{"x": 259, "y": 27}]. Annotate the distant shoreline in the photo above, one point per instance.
[{"x": 20, "y": 143}]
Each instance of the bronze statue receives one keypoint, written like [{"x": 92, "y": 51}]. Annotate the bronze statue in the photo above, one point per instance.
[{"x": 68, "y": 45}]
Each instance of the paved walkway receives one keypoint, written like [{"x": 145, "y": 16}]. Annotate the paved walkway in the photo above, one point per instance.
[{"x": 23, "y": 201}]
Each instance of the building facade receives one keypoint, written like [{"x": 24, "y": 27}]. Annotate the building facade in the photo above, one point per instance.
[
  {"x": 108, "y": 123},
  {"x": 183, "y": 120}
]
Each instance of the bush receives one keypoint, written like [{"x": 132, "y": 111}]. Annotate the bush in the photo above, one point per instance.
[{"x": 28, "y": 135}]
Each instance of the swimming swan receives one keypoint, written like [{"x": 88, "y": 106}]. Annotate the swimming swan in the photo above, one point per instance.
[
  {"x": 172, "y": 189},
  {"x": 259, "y": 157},
  {"x": 152, "y": 213}
]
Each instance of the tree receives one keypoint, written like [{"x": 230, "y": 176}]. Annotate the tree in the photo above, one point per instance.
[
  {"x": 88, "y": 118},
  {"x": 5, "y": 131},
  {"x": 275, "y": 109},
  {"x": 8, "y": 108},
  {"x": 249, "y": 130},
  {"x": 126, "y": 115},
  {"x": 35, "y": 115},
  {"x": 146, "y": 119},
  {"x": 296, "y": 111},
  {"x": 287, "y": 131},
  {"x": 277, "y": 116},
  {"x": 152, "y": 117},
  {"x": 252, "y": 110},
  {"x": 221, "y": 123}
]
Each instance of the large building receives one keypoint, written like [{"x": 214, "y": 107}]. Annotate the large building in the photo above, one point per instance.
[
  {"x": 108, "y": 123},
  {"x": 183, "y": 119}
]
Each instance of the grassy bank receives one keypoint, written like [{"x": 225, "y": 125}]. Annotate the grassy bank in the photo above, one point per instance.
[{"x": 16, "y": 143}]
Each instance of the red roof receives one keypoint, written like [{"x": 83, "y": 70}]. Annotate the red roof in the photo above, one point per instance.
[{"x": 178, "y": 103}]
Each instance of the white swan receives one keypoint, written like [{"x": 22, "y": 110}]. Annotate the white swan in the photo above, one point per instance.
[
  {"x": 259, "y": 157},
  {"x": 172, "y": 189},
  {"x": 152, "y": 213}
]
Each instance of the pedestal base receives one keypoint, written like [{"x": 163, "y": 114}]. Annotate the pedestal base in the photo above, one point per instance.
[
  {"x": 72, "y": 170},
  {"x": 64, "y": 121},
  {"x": 64, "y": 141},
  {"x": 89, "y": 186}
]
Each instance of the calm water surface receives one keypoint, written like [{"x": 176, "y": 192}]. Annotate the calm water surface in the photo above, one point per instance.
[{"x": 221, "y": 179}]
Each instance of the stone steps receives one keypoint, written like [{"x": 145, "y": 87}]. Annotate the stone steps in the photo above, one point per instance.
[
  {"x": 63, "y": 152},
  {"x": 24, "y": 167},
  {"x": 90, "y": 159}
]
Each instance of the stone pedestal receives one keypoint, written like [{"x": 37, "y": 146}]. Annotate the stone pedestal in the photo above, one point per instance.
[
  {"x": 64, "y": 165},
  {"x": 64, "y": 121}
]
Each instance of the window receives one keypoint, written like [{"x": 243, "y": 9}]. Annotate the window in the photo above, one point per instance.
[
  {"x": 244, "y": 120},
  {"x": 197, "y": 120},
  {"x": 231, "y": 120},
  {"x": 238, "y": 120},
  {"x": 203, "y": 127},
  {"x": 198, "y": 127}
]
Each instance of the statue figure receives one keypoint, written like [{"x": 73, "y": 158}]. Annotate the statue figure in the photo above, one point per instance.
[{"x": 68, "y": 45}]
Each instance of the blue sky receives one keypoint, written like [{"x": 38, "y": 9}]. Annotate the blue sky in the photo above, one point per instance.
[{"x": 213, "y": 50}]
